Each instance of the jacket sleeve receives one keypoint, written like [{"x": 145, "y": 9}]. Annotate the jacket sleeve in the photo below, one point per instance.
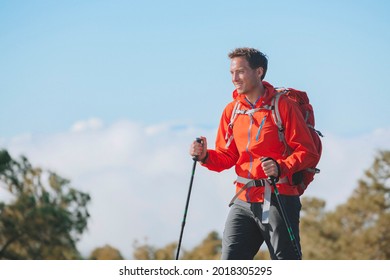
[
  {"x": 223, "y": 157},
  {"x": 303, "y": 152}
]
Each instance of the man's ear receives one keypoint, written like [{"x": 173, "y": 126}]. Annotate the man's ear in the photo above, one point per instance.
[{"x": 260, "y": 72}]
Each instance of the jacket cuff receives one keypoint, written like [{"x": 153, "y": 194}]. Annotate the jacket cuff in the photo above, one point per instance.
[{"x": 203, "y": 161}]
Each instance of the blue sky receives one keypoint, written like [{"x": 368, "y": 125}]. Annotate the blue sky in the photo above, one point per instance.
[
  {"x": 110, "y": 93},
  {"x": 154, "y": 61}
]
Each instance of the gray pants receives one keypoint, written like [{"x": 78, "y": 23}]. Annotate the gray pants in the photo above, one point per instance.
[{"x": 244, "y": 233}]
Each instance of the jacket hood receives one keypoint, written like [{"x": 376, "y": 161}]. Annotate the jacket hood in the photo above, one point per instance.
[{"x": 266, "y": 99}]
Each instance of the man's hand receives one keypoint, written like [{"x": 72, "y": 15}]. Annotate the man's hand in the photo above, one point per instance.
[
  {"x": 270, "y": 167},
  {"x": 199, "y": 150}
]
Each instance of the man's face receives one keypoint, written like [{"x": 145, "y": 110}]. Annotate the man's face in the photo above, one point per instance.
[{"x": 244, "y": 78}]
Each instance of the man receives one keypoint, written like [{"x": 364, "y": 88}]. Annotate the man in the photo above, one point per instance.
[{"x": 248, "y": 139}]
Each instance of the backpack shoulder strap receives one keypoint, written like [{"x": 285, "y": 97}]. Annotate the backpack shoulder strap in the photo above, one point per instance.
[
  {"x": 229, "y": 131},
  {"x": 275, "y": 112},
  {"x": 278, "y": 119}
]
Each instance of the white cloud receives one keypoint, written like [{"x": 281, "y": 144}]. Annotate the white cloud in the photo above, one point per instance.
[
  {"x": 92, "y": 123},
  {"x": 138, "y": 177}
]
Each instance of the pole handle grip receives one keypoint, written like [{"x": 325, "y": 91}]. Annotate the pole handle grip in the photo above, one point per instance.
[
  {"x": 199, "y": 140},
  {"x": 273, "y": 179}
]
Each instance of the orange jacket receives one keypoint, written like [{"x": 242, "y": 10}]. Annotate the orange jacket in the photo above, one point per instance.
[{"x": 257, "y": 137}]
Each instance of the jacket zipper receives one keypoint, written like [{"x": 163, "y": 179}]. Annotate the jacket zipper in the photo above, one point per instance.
[
  {"x": 260, "y": 127},
  {"x": 247, "y": 147}
]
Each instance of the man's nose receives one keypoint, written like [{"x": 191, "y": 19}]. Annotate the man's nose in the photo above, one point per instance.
[{"x": 235, "y": 77}]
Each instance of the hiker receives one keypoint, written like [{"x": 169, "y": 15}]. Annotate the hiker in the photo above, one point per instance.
[{"x": 248, "y": 139}]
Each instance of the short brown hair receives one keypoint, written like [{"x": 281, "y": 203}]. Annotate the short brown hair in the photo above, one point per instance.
[{"x": 254, "y": 57}]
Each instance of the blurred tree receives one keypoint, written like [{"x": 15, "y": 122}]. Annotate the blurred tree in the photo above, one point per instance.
[
  {"x": 147, "y": 252},
  {"x": 166, "y": 253},
  {"x": 314, "y": 241},
  {"x": 45, "y": 216},
  {"x": 209, "y": 249},
  {"x": 357, "y": 229},
  {"x": 106, "y": 253},
  {"x": 143, "y": 252}
]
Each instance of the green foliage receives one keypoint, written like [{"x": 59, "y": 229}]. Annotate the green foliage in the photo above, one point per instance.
[
  {"x": 209, "y": 249},
  {"x": 106, "y": 253},
  {"x": 45, "y": 216},
  {"x": 357, "y": 229},
  {"x": 314, "y": 239},
  {"x": 147, "y": 252}
]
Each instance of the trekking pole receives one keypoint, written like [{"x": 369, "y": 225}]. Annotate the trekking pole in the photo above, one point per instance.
[
  {"x": 285, "y": 218},
  {"x": 195, "y": 158}
]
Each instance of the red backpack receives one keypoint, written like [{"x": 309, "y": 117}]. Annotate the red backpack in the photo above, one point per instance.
[{"x": 305, "y": 177}]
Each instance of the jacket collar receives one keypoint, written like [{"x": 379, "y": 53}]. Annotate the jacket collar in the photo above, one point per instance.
[{"x": 269, "y": 93}]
